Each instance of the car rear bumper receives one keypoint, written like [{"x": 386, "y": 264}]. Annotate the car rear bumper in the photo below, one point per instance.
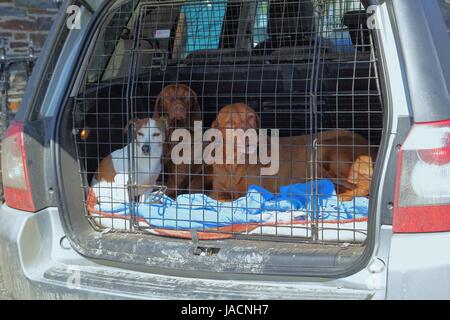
[
  {"x": 38, "y": 263},
  {"x": 419, "y": 266}
]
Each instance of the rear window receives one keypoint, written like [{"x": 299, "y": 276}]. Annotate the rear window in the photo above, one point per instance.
[
  {"x": 335, "y": 32},
  {"x": 170, "y": 33},
  {"x": 213, "y": 31},
  {"x": 205, "y": 26},
  {"x": 110, "y": 54},
  {"x": 202, "y": 22},
  {"x": 260, "y": 26}
]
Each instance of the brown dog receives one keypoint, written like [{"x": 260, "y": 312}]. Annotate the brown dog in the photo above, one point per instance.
[
  {"x": 341, "y": 156},
  {"x": 179, "y": 104}
]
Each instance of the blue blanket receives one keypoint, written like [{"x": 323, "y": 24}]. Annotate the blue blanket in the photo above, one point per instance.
[{"x": 297, "y": 202}]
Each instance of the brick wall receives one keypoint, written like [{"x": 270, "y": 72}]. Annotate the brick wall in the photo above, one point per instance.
[{"x": 24, "y": 20}]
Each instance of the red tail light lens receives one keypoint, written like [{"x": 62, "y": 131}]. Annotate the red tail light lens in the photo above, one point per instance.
[
  {"x": 422, "y": 200},
  {"x": 438, "y": 156},
  {"x": 16, "y": 182}
]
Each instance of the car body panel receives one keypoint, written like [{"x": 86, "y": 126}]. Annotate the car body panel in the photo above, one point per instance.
[
  {"x": 37, "y": 266},
  {"x": 419, "y": 266}
]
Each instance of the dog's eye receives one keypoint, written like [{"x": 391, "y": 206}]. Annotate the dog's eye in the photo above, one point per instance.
[
  {"x": 156, "y": 134},
  {"x": 140, "y": 134}
]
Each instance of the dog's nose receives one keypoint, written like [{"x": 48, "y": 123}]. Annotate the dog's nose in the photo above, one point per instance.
[
  {"x": 180, "y": 111},
  {"x": 146, "y": 149}
]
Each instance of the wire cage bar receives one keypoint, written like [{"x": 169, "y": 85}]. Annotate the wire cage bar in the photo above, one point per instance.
[{"x": 304, "y": 72}]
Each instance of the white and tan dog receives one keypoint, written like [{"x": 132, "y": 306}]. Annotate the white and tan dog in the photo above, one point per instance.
[{"x": 112, "y": 180}]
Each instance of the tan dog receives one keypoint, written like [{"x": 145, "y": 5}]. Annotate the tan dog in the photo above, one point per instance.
[
  {"x": 179, "y": 104},
  {"x": 231, "y": 181},
  {"x": 342, "y": 156}
]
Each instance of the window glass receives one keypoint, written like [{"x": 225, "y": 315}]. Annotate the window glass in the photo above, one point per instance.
[
  {"x": 165, "y": 32},
  {"x": 335, "y": 33},
  {"x": 172, "y": 32},
  {"x": 260, "y": 25},
  {"x": 48, "y": 72},
  {"x": 200, "y": 25},
  {"x": 109, "y": 57},
  {"x": 335, "y": 12}
]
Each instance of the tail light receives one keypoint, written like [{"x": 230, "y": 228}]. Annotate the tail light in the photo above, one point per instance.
[
  {"x": 422, "y": 200},
  {"x": 16, "y": 183}
]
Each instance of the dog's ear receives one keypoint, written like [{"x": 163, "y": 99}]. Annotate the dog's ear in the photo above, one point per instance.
[
  {"x": 135, "y": 124},
  {"x": 162, "y": 123},
  {"x": 129, "y": 130},
  {"x": 258, "y": 120},
  {"x": 194, "y": 98},
  {"x": 215, "y": 124},
  {"x": 129, "y": 126},
  {"x": 159, "y": 108},
  {"x": 195, "y": 106}
]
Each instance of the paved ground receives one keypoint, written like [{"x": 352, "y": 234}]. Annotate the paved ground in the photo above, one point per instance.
[{"x": 3, "y": 294}]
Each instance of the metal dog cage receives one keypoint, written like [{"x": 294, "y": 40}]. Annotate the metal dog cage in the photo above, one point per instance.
[{"x": 305, "y": 67}]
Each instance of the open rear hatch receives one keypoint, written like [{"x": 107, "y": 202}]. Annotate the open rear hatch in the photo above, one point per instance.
[{"x": 303, "y": 69}]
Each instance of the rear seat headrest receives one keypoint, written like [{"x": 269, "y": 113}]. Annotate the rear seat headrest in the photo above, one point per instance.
[
  {"x": 356, "y": 21},
  {"x": 289, "y": 17}
]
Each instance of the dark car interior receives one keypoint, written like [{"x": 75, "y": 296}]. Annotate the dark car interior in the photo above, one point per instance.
[{"x": 273, "y": 77}]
